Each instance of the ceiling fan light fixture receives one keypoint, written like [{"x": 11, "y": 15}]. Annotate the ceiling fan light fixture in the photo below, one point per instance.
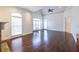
[{"x": 50, "y": 10}]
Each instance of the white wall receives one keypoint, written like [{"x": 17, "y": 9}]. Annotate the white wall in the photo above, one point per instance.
[
  {"x": 74, "y": 13},
  {"x": 55, "y": 21},
  {"x": 5, "y": 15}
]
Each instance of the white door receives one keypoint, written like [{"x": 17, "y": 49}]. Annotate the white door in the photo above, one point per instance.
[{"x": 68, "y": 23}]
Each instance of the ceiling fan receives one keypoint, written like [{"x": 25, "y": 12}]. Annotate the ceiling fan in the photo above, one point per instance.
[{"x": 50, "y": 10}]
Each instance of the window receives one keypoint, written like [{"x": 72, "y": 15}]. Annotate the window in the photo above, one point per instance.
[
  {"x": 45, "y": 23},
  {"x": 16, "y": 24},
  {"x": 36, "y": 24}
]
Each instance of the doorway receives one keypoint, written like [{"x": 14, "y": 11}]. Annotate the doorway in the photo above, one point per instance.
[{"x": 68, "y": 24}]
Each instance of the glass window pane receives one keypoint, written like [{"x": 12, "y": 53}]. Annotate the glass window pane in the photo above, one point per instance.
[
  {"x": 45, "y": 24},
  {"x": 16, "y": 24},
  {"x": 36, "y": 24}
]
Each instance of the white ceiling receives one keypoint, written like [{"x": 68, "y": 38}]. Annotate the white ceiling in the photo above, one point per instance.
[
  {"x": 57, "y": 9},
  {"x": 32, "y": 8}
]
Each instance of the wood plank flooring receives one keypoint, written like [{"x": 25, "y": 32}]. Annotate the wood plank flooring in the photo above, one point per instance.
[{"x": 43, "y": 41}]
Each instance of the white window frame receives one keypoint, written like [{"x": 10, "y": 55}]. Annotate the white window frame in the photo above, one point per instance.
[{"x": 17, "y": 15}]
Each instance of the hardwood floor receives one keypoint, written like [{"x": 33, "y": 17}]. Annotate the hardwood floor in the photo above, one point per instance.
[
  {"x": 77, "y": 44},
  {"x": 43, "y": 41}
]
